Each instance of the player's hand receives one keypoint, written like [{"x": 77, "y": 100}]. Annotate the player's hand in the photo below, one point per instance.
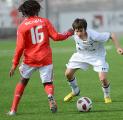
[
  {"x": 71, "y": 31},
  {"x": 120, "y": 51},
  {"x": 12, "y": 70}
]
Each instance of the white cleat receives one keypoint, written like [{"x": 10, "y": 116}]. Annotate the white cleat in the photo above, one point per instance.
[{"x": 11, "y": 113}]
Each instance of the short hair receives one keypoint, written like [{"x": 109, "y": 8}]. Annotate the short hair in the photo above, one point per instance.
[
  {"x": 30, "y": 8},
  {"x": 79, "y": 24}
]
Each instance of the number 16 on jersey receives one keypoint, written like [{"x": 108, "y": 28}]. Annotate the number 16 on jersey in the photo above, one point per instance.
[{"x": 37, "y": 37}]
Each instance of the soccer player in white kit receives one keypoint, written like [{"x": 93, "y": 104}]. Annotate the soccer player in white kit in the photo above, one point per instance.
[{"x": 90, "y": 51}]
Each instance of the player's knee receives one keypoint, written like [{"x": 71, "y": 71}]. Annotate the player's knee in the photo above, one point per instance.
[
  {"x": 47, "y": 83},
  {"x": 68, "y": 75},
  {"x": 24, "y": 81}
]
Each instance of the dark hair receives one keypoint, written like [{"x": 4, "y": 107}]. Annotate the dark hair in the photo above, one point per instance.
[
  {"x": 30, "y": 8},
  {"x": 79, "y": 24}
]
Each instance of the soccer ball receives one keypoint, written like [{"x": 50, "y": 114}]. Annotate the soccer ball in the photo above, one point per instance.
[{"x": 84, "y": 104}]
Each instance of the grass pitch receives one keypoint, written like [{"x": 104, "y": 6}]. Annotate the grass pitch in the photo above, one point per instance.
[{"x": 34, "y": 103}]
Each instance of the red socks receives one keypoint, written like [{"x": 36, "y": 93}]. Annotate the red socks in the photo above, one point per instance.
[
  {"x": 17, "y": 95},
  {"x": 49, "y": 89}
]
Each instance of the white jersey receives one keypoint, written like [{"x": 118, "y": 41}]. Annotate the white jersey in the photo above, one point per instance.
[{"x": 94, "y": 46}]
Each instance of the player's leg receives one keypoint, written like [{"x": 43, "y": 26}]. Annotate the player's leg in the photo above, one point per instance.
[
  {"x": 75, "y": 63},
  {"x": 105, "y": 86},
  {"x": 49, "y": 89},
  {"x": 101, "y": 66},
  {"x": 46, "y": 74},
  {"x": 25, "y": 72},
  {"x": 17, "y": 95},
  {"x": 69, "y": 73}
]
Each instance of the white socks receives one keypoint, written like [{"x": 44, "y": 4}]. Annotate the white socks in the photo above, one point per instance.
[
  {"x": 74, "y": 86},
  {"x": 106, "y": 91}
]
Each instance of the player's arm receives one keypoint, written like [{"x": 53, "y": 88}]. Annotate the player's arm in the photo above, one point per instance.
[
  {"x": 116, "y": 43},
  {"x": 19, "y": 49},
  {"x": 58, "y": 36},
  {"x": 18, "y": 52},
  {"x": 103, "y": 37}
]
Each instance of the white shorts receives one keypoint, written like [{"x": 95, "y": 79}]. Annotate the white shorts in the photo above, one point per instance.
[
  {"x": 46, "y": 72},
  {"x": 77, "y": 61}
]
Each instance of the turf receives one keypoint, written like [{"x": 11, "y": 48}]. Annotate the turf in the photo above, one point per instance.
[{"x": 34, "y": 104}]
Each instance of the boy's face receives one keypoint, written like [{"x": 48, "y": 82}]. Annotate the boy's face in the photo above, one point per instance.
[{"x": 80, "y": 32}]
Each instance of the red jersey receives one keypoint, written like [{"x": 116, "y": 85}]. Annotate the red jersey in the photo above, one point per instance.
[{"x": 33, "y": 41}]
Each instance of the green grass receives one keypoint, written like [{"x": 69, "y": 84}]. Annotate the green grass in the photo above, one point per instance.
[{"x": 34, "y": 104}]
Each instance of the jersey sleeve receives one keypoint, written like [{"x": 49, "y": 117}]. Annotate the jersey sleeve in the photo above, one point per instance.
[
  {"x": 102, "y": 37},
  {"x": 55, "y": 35},
  {"x": 19, "y": 49}
]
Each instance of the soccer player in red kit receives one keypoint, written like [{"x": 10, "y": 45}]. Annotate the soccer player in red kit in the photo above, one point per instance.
[{"x": 33, "y": 36}]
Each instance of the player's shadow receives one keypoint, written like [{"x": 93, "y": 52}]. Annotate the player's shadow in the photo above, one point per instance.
[
  {"x": 76, "y": 112},
  {"x": 111, "y": 103},
  {"x": 98, "y": 111},
  {"x": 69, "y": 112},
  {"x": 91, "y": 112}
]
